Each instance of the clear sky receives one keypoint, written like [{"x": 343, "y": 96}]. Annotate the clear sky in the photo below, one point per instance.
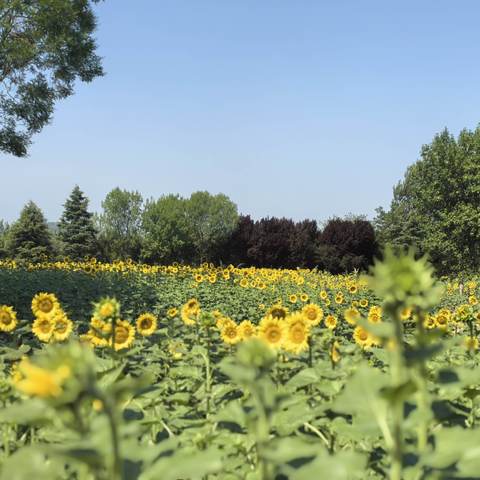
[{"x": 297, "y": 108}]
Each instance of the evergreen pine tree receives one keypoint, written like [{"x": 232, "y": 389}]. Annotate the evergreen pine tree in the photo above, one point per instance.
[
  {"x": 29, "y": 238},
  {"x": 76, "y": 230}
]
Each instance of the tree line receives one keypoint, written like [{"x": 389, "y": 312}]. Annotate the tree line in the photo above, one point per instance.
[{"x": 203, "y": 227}]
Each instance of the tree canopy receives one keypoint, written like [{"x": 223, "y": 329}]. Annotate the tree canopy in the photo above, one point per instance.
[
  {"x": 45, "y": 46},
  {"x": 436, "y": 207}
]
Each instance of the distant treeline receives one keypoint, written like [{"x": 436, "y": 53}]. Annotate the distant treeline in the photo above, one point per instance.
[{"x": 200, "y": 228}]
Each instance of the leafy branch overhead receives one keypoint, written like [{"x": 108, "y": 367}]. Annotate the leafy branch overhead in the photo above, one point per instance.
[{"x": 45, "y": 46}]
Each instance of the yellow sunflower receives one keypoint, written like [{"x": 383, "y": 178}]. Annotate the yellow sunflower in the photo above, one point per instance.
[
  {"x": 43, "y": 328},
  {"x": 313, "y": 313},
  {"x": 363, "y": 303},
  {"x": 471, "y": 343},
  {"x": 304, "y": 297},
  {"x": 146, "y": 324},
  {"x": 247, "y": 330},
  {"x": 40, "y": 382},
  {"x": 375, "y": 314},
  {"x": 296, "y": 334},
  {"x": 230, "y": 333},
  {"x": 44, "y": 304},
  {"x": 176, "y": 349},
  {"x": 331, "y": 322},
  {"x": 339, "y": 298},
  {"x": 172, "y": 312},
  {"x": 107, "y": 308},
  {"x": 63, "y": 327},
  {"x": 190, "y": 312},
  {"x": 362, "y": 337},
  {"x": 272, "y": 331},
  {"x": 351, "y": 315},
  {"x": 441, "y": 321},
  {"x": 124, "y": 335},
  {"x": 293, "y": 298},
  {"x": 8, "y": 319},
  {"x": 405, "y": 314}
]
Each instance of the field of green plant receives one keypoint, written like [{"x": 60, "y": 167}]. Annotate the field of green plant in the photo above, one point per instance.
[{"x": 126, "y": 371}]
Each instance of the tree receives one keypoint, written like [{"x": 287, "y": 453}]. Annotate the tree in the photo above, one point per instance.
[
  {"x": 436, "y": 207},
  {"x": 76, "y": 232},
  {"x": 45, "y": 46},
  {"x": 234, "y": 249},
  {"x": 120, "y": 225},
  {"x": 211, "y": 219},
  {"x": 271, "y": 243},
  {"x": 165, "y": 229},
  {"x": 3, "y": 238},
  {"x": 345, "y": 245},
  {"x": 29, "y": 238}
]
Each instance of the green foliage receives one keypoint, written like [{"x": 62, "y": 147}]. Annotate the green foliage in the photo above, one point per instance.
[
  {"x": 29, "y": 238},
  {"x": 3, "y": 238},
  {"x": 76, "y": 230},
  {"x": 45, "y": 46},
  {"x": 211, "y": 219},
  {"x": 165, "y": 229},
  {"x": 120, "y": 225},
  {"x": 436, "y": 207}
]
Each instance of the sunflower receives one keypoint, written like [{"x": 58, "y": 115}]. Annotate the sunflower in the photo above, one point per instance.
[
  {"x": 375, "y": 314},
  {"x": 472, "y": 300},
  {"x": 43, "y": 328},
  {"x": 176, "y": 349},
  {"x": 244, "y": 283},
  {"x": 441, "y": 321},
  {"x": 471, "y": 343},
  {"x": 172, "y": 312},
  {"x": 296, "y": 334},
  {"x": 40, "y": 382},
  {"x": 96, "y": 338},
  {"x": 8, "y": 319},
  {"x": 222, "y": 322},
  {"x": 272, "y": 331},
  {"x": 293, "y": 298},
  {"x": 429, "y": 322},
  {"x": 353, "y": 289},
  {"x": 199, "y": 278},
  {"x": 278, "y": 311},
  {"x": 405, "y": 313},
  {"x": 362, "y": 337},
  {"x": 313, "y": 313},
  {"x": 351, "y": 315},
  {"x": 63, "y": 327},
  {"x": 124, "y": 335},
  {"x": 331, "y": 322},
  {"x": 247, "y": 330},
  {"x": 304, "y": 297},
  {"x": 190, "y": 312},
  {"x": 107, "y": 308},
  {"x": 230, "y": 333},
  {"x": 339, "y": 298},
  {"x": 363, "y": 303},
  {"x": 323, "y": 295},
  {"x": 146, "y": 324},
  {"x": 44, "y": 304}
]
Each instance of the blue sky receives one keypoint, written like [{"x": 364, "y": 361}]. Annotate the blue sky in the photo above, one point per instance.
[{"x": 299, "y": 108}]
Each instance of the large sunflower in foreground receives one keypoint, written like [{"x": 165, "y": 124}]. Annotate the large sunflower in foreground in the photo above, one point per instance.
[
  {"x": 272, "y": 331},
  {"x": 44, "y": 304},
  {"x": 8, "y": 319},
  {"x": 146, "y": 324}
]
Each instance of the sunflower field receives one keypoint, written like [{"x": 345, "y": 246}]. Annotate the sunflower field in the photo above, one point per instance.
[{"x": 125, "y": 371}]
